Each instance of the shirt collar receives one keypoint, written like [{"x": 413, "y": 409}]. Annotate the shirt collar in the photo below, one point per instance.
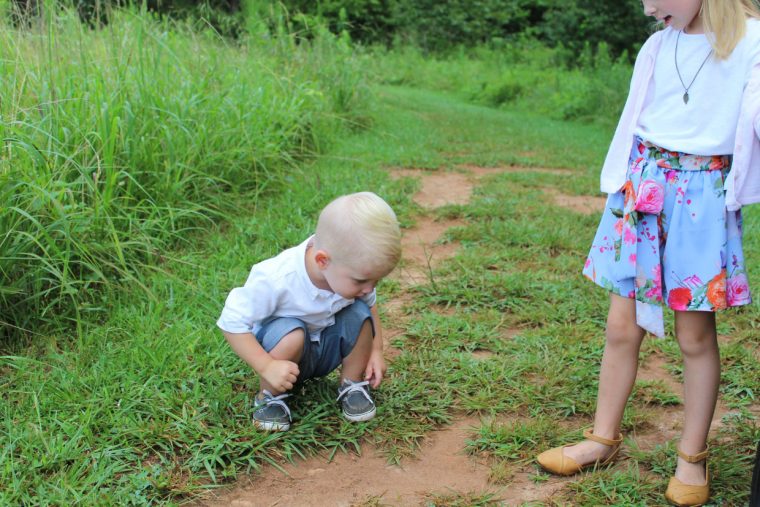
[{"x": 313, "y": 291}]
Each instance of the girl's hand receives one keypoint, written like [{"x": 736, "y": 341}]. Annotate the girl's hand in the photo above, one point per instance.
[
  {"x": 376, "y": 368},
  {"x": 280, "y": 374}
]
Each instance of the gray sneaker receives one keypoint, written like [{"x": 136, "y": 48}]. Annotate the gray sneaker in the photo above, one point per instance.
[
  {"x": 270, "y": 413},
  {"x": 356, "y": 401}
]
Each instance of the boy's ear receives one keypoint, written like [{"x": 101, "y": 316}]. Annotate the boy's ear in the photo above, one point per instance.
[{"x": 322, "y": 259}]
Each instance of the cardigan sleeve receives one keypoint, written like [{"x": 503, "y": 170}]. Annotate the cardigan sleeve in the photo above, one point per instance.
[
  {"x": 615, "y": 164},
  {"x": 743, "y": 183}
]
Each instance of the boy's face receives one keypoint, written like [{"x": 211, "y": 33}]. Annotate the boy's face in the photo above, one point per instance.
[{"x": 348, "y": 281}]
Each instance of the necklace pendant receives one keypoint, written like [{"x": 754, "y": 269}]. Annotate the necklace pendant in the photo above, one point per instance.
[{"x": 686, "y": 98}]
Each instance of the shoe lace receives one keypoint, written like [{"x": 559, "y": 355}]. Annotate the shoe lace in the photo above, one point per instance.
[
  {"x": 350, "y": 387},
  {"x": 270, "y": 399}
]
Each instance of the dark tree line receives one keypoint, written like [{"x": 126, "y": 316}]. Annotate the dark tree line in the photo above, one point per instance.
[
  {"x": 438, "y": 25},
  {"x": 433, "y": 25},
  {"x": 225, "y": 15}
]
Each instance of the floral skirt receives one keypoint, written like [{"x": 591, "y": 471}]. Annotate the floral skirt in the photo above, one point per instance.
[{"x": 666, "y": 237}]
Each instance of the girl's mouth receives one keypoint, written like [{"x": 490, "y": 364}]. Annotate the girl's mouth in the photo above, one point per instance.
[{"x": 666, "y": 20}]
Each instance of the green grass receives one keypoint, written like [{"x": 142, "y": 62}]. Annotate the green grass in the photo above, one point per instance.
[
  {"x": 120, "y": 143},
  {"x": 524, "y": 75},
  {"x": 151, "y": 406}
]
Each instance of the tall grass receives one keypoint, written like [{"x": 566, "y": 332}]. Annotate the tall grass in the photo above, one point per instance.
[
  {"x": 524, "y": 75},
  {"x": 117, "y": 142}
]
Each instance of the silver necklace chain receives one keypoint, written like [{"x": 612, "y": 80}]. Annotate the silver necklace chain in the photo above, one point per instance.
[{"x": 678, "y": 71}]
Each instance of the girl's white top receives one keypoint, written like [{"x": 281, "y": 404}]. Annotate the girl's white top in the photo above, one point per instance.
[
  {"x": 281, "y": 287},
  {"x": 707, "y": 124},
  {"x": 743, "y": 182}
]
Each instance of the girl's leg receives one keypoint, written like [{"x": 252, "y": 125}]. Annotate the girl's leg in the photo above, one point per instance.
[
  {"x": 618, "y": 373},
  {"x": 698, "y": 340}
]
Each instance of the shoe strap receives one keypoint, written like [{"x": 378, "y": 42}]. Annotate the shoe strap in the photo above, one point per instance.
[
  {"x": 587, "y": 433},
  {"x": 349, "y": 386},
  {"x": 700, "y": 456},
  {"x": 269, "y": 399}
]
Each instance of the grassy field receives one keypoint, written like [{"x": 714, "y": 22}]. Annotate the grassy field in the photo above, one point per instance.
[
  {"x": 153, "y": 406},
  {"x": 145, "y": 403},
  {"x": 119, "y": 143},
  {"x": 523, "y": 76}
]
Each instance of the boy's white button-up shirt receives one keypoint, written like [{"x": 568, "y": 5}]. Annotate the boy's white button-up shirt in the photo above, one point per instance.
[
  {"x": 743, "y": 182},
  {"x": 281, "y": 287}
]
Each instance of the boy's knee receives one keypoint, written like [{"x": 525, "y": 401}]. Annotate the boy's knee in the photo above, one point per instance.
[
  {"x": 367, "y": 329},
  {"x": 291, "y": 346},
  {"x": 365, "y": 333}
]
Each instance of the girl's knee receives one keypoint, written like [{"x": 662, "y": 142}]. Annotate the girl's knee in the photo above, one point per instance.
[
  {"x": 622, "y": 329},
  {"x": 623, "y": 333},
  {"x": 695, "y": 332},
  {"x": 697, "y": 344}
]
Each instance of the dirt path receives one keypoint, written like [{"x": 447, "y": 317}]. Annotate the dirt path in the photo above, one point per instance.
[{"x": 441, "y": 465}]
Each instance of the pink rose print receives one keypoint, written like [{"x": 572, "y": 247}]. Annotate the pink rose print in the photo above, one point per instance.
[
  {"x": 716, "y": 163},
  {"x": 619, "y": 226},
  {"x": 636, "y": 167},
  {"x": 650, "y": 198},
  {"x": 679, "y": 298},
  {"x": 656, "y": 291},
  {"x": 629, "y": 237},
  {"x": 737, "y": 290}
]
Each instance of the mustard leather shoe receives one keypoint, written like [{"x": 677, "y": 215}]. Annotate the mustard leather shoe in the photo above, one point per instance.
[
  {"x": 555, "y": 461},
  {"x": 689, "y": 495}
]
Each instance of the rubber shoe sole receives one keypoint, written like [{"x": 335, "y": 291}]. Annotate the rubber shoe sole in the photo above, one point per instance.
[
  {"x": 366, "y": 416},
  {"x": 271, "y": 426}
]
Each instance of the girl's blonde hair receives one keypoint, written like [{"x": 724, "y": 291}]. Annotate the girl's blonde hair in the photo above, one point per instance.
[
  {"x": 725, "y": 22},
  {"x": 360, "y": 230}
]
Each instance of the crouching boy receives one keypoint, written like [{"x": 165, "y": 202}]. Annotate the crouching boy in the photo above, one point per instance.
[{"x": 313, "y": 308}]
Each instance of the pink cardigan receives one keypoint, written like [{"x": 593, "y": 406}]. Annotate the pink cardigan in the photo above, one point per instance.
[{"x": 743, "y": 183}]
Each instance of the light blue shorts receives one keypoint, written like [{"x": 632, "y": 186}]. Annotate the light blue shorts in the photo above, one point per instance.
[
  {"x": 666, "y": 237},
  {"x": 335, "y": 343}
]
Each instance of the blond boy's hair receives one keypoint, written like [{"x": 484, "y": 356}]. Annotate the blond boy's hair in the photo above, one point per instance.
[
  {"x": 725, "y": 23},
  {"x": 361, "y": 231}
]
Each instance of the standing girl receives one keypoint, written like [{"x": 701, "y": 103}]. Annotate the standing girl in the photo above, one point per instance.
[{"x": 684, "y": 159}]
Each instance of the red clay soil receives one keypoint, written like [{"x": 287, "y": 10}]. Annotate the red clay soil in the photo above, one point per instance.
[{"x": 440, "y": 466}]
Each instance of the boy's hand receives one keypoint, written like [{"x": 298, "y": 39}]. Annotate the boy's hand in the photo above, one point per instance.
[
  {"x": 280, "y": 374},
  {"x": 376, "y": 368}
]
